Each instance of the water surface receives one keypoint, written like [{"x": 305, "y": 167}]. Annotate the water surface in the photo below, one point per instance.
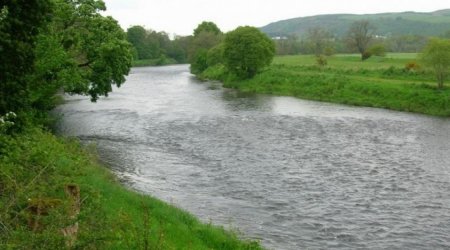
[{"x": 295, "y": 174}]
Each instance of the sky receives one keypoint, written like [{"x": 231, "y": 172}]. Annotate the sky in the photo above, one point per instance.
[{"x": 181, "y": 17}]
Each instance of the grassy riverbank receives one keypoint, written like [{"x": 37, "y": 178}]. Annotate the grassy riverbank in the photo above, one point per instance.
[
  {"x": 396, "y": 82},
  {"x": 36, "y": 168}
]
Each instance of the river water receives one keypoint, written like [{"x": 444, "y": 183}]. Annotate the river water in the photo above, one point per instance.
[{"x": 295, "y": 174}]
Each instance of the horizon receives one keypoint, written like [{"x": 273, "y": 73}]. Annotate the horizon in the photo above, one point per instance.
[{"x": 177, "y": 17}]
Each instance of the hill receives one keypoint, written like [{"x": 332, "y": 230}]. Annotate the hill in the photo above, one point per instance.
[{"x": 387, "y": 24}]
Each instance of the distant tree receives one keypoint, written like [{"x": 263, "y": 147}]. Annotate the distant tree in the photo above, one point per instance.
[
  {"x": 436, "y": 55},
  {"x": 319, "y": 40},
  {"x": 359, "y": 36},
  {"x": 247, "y": 50},
  {"x": 208, "y": 27},
  {"x": 137, "y": 36},
  {"x": 406, "y": 43},
  {"x": 206, "y": 36},
  {"x": 289, "y": 45}
]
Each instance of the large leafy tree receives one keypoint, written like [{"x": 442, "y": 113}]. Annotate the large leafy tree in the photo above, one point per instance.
[
  {"x": 436, "y": 55},
  {"x": 247, "y": 50},
  {"x": 99, "y": 55},
  {"x": 20, "y": 22}
]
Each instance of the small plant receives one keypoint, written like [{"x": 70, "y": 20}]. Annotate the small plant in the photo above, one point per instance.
[
  {"x": 412, "y": 66},
  {"x": 366, "y": 55},
  {"x": 7, "y": 121},
  {"x": 321, "y": 60}
]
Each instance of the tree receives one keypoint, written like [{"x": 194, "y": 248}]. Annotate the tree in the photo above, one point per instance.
[
  {"x": 20, "y": 22},
  {"x": 247, "y": 50},
  {"x": 319, "y": 40},
  {"x": 94, "y": 52},
  {"x": 208, "y": 27},
  {"x": 137, "y": 36},
  {"x": 206, "y": 36},
  {"x": 436, "y": 55},
  {"x": 359, "y": 36}
]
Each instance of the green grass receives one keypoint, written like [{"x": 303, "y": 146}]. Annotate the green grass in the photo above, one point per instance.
[
  {"x": 35, "y": 165},
  {"x": 381, "y": 82}
]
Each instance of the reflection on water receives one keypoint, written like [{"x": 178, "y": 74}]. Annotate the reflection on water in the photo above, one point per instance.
[{"x": 296, "y": 174}]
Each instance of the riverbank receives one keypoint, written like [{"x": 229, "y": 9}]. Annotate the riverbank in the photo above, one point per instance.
[
  {"x": 37, "y": 168},
  {"x": 396, "y": 82},
  {"x": 153, "y": 62}
]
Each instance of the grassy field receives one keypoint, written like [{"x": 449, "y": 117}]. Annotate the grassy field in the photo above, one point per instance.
[
  {"x": 36, "y": 167},
  {"x": 383, "y": 82}
]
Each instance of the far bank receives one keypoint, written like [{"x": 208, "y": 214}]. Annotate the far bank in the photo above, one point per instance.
[{"x": 396, "y": 82}]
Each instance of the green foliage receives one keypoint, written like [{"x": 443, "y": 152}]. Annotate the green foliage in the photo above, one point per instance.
[
  {"x": 208, "y": 27},
  {"x": 359, "y": 36},
  {"x": 378, "y": 50},
  {"x": 199, "y": 61},
  {"x": 36, "y": 166},
  {"x": 321, "y": 60},
  {"x": 319, "y": 40},
  {"x": 246, "y": 51},
  {"x": 98, "y": 54},
  {"x": 207, "y": 36},
  {"x": 387, "y": 24},
  {"x": 18, "y": 33},
  {"x": 137, "y": 36},
  {"x": 215, "y": 55},
  {"x": 375, "y": 83},
  {"x": 436, "y": 55}
]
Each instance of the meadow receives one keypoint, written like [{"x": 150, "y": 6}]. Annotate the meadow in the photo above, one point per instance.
[{"x": 396, "y": 81}]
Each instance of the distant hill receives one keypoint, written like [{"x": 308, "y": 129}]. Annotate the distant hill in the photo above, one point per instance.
[{"x": 388, "y": 24}]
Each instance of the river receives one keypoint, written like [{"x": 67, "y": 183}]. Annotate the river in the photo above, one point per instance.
[{"x": 295, "y": 174}]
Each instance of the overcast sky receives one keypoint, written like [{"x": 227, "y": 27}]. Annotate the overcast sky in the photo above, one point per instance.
[{"x": 182, "y": 16}]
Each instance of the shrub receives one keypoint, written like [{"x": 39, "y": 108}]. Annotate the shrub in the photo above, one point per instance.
[{"x": 321, "y": 60}]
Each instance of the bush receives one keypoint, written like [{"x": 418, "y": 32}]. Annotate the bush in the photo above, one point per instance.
[
  {"x": 247, "y": 50},
  {"x": 412, "y": 66},
  {"x": 321, "y": 60}
]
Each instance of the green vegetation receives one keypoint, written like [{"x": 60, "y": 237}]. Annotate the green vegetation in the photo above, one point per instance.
[
  {"x": 359, "y": 35},
  {"x": 397, "y": 32},
  {"x": 206, "y": 36},
  {"x": 246, "y": 51},
  {"x": 155, "y": 48},
  {"x": 395, "y": 82},
  {"x": 53, "y": 193},
  {"x": 387, "y": 24},
  {"x": 436, "y": 55},
  {"x": 36, "y": 169}
]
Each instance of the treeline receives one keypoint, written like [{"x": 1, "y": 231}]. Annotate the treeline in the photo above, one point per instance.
[
  {"x": 47, "y": 46},
  {"x": 293, "y": 45},
  {"x": 149, "y": 44}
]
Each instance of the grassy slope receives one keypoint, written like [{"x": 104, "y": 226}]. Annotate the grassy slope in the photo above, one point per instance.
[
  {"x": 405, "y": 23},
  {"x": 378, "y": 82},
  {"x": 37, "y": 165}
]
